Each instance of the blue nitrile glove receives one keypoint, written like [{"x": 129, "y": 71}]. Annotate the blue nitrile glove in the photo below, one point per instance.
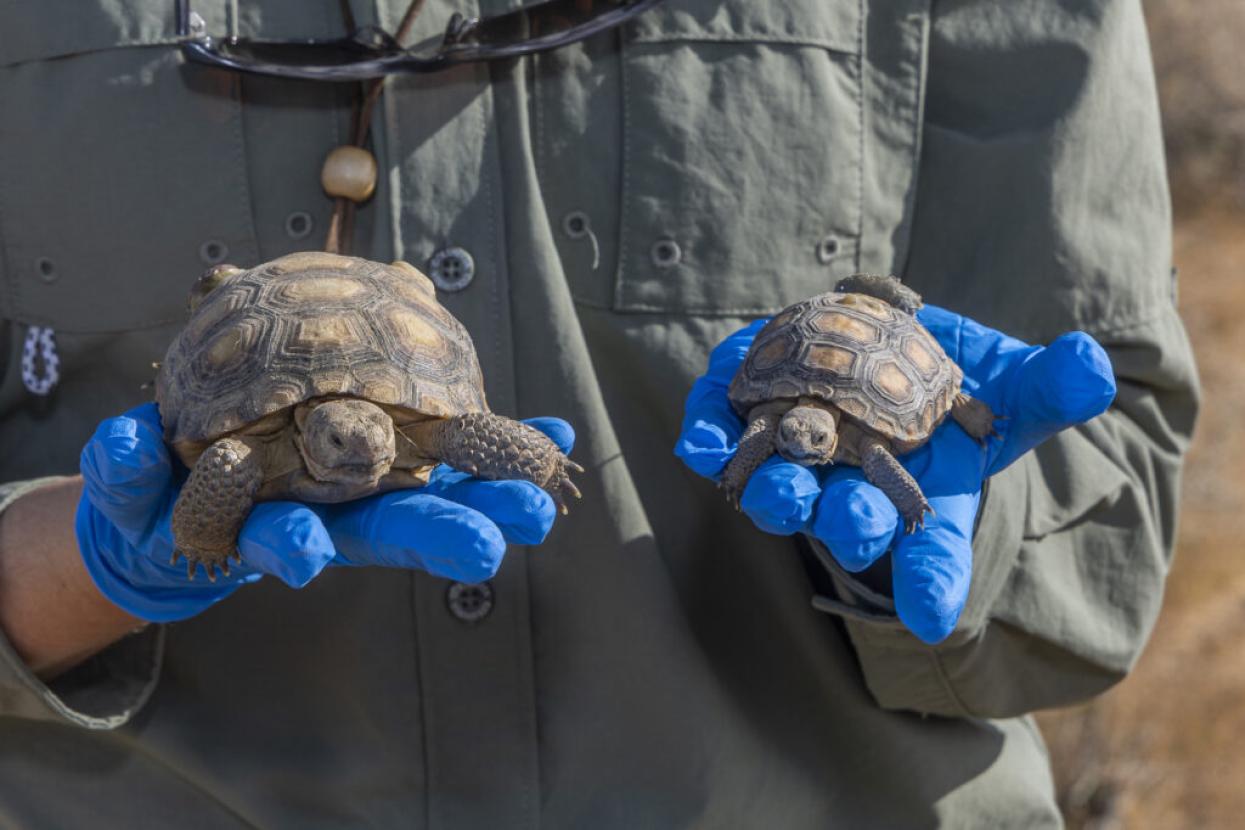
[
  {"x": 455, "y": 527},
  {"x": 1038, "y": 391}
]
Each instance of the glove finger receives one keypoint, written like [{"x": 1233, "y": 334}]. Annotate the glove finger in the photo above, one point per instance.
[
  {"x": 727, "y": 356},
  {"x": 1066, "y": 383},
  {"x": 287, "y": 540},
  {"x": 711, "y": 431},
  {"x": 854, "y": 519},
  {"x": 780, "y": 496},
  {"x": 933, "y": 568},
  {"x": 126, "y": 470},
  {"x": 985, "y": 354},
  {"x": 558, "y": 431},
  {"x": 522, "y": 511},
  {"x": 118, "y": 568},
  {"x": 414, "y": 529}
]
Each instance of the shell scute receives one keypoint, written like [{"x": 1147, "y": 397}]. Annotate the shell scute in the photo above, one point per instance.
[
  {"x": 874, "y": 362},
  {"x": 314, "y": 324}
]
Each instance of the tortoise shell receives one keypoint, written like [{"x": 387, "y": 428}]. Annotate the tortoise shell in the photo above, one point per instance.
[
  {"x": 874, "y": 362},
  {"x": 309, "y": 325}
]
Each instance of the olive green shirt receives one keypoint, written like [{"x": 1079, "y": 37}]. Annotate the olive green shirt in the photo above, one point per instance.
[{"x": 626, "y": 203}]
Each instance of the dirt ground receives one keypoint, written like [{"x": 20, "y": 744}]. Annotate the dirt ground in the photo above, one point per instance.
[{"x": 1164, "y": 749}]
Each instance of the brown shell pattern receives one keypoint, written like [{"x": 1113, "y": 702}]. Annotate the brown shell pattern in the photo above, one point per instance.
[
  {"x": 314, "y": 324},
  {"x": 871, "y": 360}
]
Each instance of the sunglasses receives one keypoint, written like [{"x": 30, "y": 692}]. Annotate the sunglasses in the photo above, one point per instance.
[{"x": 370, "y": 52}]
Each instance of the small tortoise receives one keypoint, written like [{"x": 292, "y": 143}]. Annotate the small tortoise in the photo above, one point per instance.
[
  {"x": 850, "y": 377},
  {"x": 324, "y": 378}
]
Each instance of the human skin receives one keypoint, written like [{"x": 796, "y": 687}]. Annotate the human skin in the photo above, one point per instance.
[{"x": 50, "y": 609}]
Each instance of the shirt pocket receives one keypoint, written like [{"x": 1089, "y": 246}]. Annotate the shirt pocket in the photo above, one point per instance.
[
  {"x": 741, "y": 182},
  {"x": 122, "y": 171}
]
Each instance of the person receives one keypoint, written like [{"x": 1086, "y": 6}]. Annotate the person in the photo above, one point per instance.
[{"x": 601, "y": 217}]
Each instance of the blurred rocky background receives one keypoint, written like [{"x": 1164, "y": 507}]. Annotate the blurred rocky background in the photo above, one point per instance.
[{"x": 1166, "y": 748}]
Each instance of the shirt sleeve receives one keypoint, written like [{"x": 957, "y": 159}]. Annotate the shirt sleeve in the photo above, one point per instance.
[
  {"x": 1042, "y": 207},
  {"x": 103, "y": 692}
]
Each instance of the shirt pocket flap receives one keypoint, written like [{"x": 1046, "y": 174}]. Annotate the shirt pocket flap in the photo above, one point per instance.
[
  {"x": 742, "y": 180},
  {"x": 29, "y": 31},
  {"x": 122, "y": 181},
  {"x": 823, "y": 23}
]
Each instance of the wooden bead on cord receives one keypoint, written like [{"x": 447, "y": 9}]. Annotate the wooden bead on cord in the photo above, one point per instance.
[{"x": 349, "y": 173}]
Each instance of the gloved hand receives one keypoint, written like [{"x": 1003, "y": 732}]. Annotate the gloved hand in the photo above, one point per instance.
[
  {"x": 1037, "y": 390},
  {"x": 456, "y": 526}
]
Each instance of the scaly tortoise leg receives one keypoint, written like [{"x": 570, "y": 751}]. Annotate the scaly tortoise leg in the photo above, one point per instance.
[
  {"x": 755, "y": 445},
  {"x": 492, "y": 447},
  {"x": 889, "y": 476},
  {"x": 974, "y": 416},
  {"x": 214, "y": 503}
]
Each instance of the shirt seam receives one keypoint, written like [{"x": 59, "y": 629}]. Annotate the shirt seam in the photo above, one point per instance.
[
  {"x": 113, "y": 46},
  {"x": 757, "y": 39}
]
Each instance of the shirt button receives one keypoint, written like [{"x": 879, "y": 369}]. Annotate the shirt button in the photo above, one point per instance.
[
  {"x": 827, "y": 249},
  {"x": 575, "y": 224},
  {"x": 46, "y": 269},
  {"x": 298, "y": 224},
  {"x": 213, "y": 252},
  {"x": 470, "y": 603},
  {"x": 452, "y": 269},
  {"x": 666, "y": 253}
]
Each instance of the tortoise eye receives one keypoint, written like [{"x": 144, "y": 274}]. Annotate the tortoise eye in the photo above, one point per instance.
[{"x": 819, "y": 438}]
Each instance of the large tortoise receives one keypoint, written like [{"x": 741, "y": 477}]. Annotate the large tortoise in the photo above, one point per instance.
[
  {"x": 324, "y": 378},
  {"x": 850, "y": 377}
]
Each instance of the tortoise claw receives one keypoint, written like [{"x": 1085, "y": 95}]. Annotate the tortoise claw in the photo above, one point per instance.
[
  {"x": 562, "y": 488},
  {"x": 913, "y": 523}
]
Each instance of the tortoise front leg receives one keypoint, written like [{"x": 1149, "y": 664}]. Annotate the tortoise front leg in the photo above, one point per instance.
[
  {"x": 755, "y": 445},
  {"x": 215, "y": 502},
  {"x": 491, "y": 447},
  {"x": 889, "y": 476}
]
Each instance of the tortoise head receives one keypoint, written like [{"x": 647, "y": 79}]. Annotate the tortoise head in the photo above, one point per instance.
[
  {"x": 807, "y": 435},
  {"x": 345, "y": 440}
]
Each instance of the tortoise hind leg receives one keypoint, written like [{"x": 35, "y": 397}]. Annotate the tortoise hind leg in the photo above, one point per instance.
[
  {"x": 885, "y": 288},
  {"x": 889, "y": 476},
  {"x": 974, "y": 416},
  {"x": 214, "y": 503}
]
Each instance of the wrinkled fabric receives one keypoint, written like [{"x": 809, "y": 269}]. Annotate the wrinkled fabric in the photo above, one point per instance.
[{"x": 657, "y": 661}]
